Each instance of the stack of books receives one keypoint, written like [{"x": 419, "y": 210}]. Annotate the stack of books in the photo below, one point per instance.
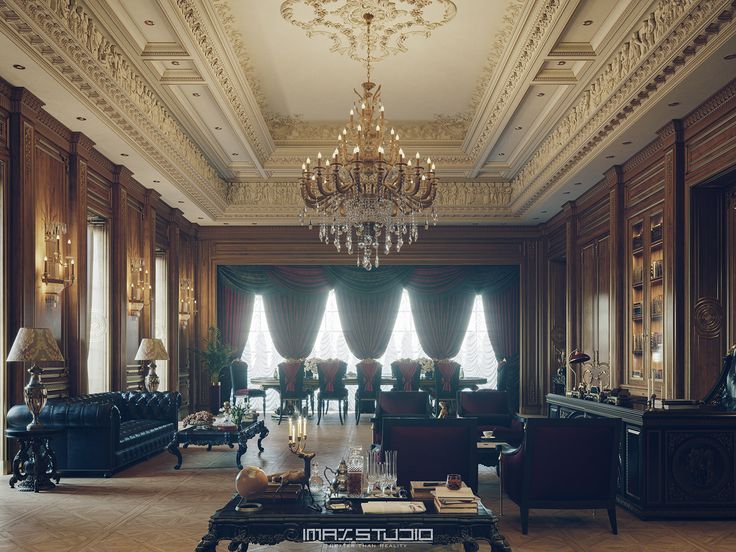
[
  {"x": 423, "y": 490},
  {"x": 461, "y": 501},
  {"x": 676, "y": 404},
  {"x": 271, "y": 492}
]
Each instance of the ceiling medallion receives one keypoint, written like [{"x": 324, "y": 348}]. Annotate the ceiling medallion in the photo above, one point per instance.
[
  {"x": 370, "y": 190},
  {"x": 393, "y": 23}
]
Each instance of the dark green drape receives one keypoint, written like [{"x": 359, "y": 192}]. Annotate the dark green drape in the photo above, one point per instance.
[
  {"x": 441, "y": 321},
  {"x": 502, "y": 313},
  {"x": 368, "y": 320},
  {"x": 294, "y": 321}
]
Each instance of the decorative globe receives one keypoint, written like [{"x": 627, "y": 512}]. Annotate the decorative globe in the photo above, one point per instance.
[{"x": 251, "y": 481}]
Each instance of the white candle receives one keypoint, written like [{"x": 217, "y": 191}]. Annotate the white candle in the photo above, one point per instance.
[
  {"x": 304, "y": 430},
  {"x": 291, "y": 431}
]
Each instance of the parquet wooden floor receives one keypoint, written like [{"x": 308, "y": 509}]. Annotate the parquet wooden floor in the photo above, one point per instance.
[{"x": 152, "y": 508}]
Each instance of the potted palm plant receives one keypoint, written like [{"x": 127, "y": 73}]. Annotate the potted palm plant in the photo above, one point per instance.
[{"x": 216, "y": 356}]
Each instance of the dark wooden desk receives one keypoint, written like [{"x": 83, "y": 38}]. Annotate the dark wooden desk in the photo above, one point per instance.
[
  {"x": 673, "y": 463},
  {"x": 296, "y": 522}
]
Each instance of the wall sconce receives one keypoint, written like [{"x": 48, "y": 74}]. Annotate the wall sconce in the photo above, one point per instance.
[
  {"x": 187, "y": 302},
  {"x": 140, "y": 287},
  {"x": 58, "y": 268}
]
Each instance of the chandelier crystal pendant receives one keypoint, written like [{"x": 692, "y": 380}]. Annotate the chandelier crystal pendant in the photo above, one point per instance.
[{"x": 368, "y": 193}]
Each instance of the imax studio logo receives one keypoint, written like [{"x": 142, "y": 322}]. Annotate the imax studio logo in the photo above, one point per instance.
[{"x": 367, "y": 535}]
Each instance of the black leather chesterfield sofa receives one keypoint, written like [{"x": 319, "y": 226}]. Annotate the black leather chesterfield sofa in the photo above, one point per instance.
[{"x": 105, "y": 432}]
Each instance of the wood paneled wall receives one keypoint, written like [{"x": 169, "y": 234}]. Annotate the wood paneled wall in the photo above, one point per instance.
[
  {"x": 48, "y": 172},
  {"x": 689, "y": 173}
]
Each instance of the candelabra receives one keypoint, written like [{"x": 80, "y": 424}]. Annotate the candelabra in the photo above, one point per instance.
[
  {"x": 140, "y": 287},
  {"x": 187, "y": 303},
  {"x": 58, "y": 268},
  {"x": 298, "y": 446}
]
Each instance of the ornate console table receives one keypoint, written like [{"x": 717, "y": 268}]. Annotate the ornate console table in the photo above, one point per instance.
[{"x": 674, "y": 463}]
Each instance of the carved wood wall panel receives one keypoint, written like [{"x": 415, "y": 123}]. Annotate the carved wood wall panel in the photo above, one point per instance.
[{"x": 48, "y": 172}]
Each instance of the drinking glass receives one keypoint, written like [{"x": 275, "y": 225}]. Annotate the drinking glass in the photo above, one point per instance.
[
  {"x": 371, "y": 472},
  {"x": 393, "y": 460}
]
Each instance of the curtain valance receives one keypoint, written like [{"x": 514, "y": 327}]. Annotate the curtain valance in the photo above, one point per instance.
[{"x": 424, "y": 280}]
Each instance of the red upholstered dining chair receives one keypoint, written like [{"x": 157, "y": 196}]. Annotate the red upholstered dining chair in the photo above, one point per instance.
[
  {"x": 429, "y": 449},
  {"x": 446, "y": 383},
  {"x": 404, "y": 404},
  {"x": 291, "y": 385},
  {"x": 331, "y": 374},
  {"x": 239, "y": 384},
  {"x": 491, "y": 408},
  {"x": 369, "y": 385},
  {"x": 564, "y": 463},
  {"x": 407, "y": 373}
]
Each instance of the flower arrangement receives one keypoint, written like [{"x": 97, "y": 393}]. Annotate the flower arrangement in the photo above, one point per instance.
[
  {"x": 310, "y": 364},
  {"x": 239, "y": 411},
  {"x": 427, "y": 364},
  {"x": 201, "y": 419}
]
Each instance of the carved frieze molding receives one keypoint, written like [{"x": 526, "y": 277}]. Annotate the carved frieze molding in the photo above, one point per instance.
[
  {"x": 673, "y": 32},
  {"x": 456, "y": 201},
  {"x": 74, "y": 45},
  {"x": 532, "y": 43},
  {"x": 293, "y": 160}
]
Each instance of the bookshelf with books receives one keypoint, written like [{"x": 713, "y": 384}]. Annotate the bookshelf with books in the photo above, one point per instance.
[{"x": 645, "y": 371}]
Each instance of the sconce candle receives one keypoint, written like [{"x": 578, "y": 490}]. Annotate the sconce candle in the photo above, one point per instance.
[{"x": 58, "y": 268}]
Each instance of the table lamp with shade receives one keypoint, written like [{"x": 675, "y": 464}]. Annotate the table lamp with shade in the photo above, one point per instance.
[
  {"x": 152, "y": 349},
  {"x": 35, "y": 345}
]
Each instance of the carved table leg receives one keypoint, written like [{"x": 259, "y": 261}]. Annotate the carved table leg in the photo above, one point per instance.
[
  {"x": 207, "y": 544},
  {"x": 20, "y": 457},
  {"x": 50, "y": 462},
  {"x": 242, "y": 449},
  {"x": 173, "y": 448},
  {"x": 263, "y": 435},
  {"x": 470, "y": 546}
]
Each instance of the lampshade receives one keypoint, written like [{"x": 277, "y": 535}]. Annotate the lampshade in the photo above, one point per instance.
[
  {"x": 576, "y": 357},
  {"x": 34, "y": 345},
  {"x": 151, "y": 349}
]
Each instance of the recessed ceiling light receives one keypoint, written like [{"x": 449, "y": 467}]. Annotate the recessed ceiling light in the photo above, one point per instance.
[
  {"x": 124, "y": 155},
  {"x": 156, "y": 181},
  {"x": 626, "y": 143},
  {"x": 587, "y": 22},
  {"x": 81, "y": 118},
  {"x": 196, "y": 94},
  {"x": 566, "y": 193},
  {"x": 200, "y": 218},
  {"x": 501, "y": 154},
  {"x": 578, "y": 184},
  {"x": 729, "y": 57},
  {"x": 540, "y": 94},
  {"x": 19, "y": 67},
  {"x": 218, "y": 128},
  {"x": 517, "y": 128},
  {"x": 235, "y": 154},
  {"x": 175, "y": 62},
  {"x": 149, "y": 22},
  {"x": 561, "y": 62},
  {"x": 610, "y": 156},
  {"x": 543, "y": 212},
  {"x": 225, "y": 223},
  {"x": 673, "y": 104},
  {"x": 180, "y": 201}
]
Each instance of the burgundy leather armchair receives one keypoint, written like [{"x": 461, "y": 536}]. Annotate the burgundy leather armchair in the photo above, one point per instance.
[
  {"x": 564, "y": 463},
  {"x": 404, "y": 404},
  {"x": 429, "y": 449},
  {"x": 491, "y": 408}
]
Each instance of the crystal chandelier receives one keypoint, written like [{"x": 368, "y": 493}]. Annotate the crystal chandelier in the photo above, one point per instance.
[{"x": 369, "y": 192}]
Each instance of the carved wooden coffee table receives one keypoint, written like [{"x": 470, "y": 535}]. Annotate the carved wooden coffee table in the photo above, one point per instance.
[
  {"x": 292, "y": 521},
  {"x": 215, "y": 436}
]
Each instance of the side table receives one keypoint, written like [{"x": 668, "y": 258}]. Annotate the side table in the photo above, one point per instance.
[{"x": 35, "y": 464}]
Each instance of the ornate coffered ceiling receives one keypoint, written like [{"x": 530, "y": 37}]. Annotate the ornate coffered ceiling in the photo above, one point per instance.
[{"x": 516, "y": 100}]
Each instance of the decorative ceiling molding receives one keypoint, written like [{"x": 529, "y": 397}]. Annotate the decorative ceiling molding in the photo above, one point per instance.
[
  {"x": 76, "y": 48},
  {"x": 529, "y": 52},
  {"x": 394, "y": 21},
  {"x": 444, "y": 127},
  {"x": 673, "y": 32},
  {"x": 457, "y": 201},
  {"x": 293, "y": 161},
  {"x": 202, "y": 37}
]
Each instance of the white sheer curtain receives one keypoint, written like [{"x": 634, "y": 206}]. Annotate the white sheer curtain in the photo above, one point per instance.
[
  {"x": 98, "y": 266},
  {"x": 161, "y": 322},
  {"x": 476, "y": 354}
]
